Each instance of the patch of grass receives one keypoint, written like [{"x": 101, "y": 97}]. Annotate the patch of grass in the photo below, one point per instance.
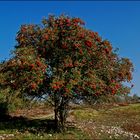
[
  {"x": 126, "y": 118},
  {"x": 135, "y": 108},
  {"x": 129, "y": 113},
  {"x": 72, "y": 133},
  {"x": 132, "y": 127},
  {"x": 82, "y": 114}
]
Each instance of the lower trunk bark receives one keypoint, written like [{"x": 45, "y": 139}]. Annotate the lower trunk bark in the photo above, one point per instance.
[{"x": 61, "y": 113}]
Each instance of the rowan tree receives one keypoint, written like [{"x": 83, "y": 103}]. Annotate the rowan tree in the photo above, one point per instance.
[{"x": 65, "y": 60}]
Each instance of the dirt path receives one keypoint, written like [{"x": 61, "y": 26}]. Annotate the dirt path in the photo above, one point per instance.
[
  {"x": 43, "y": 116},
  {"x": 50, "y": 115}
]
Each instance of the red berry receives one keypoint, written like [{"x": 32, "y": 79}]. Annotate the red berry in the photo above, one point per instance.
[{"x": 88, "y": 43}]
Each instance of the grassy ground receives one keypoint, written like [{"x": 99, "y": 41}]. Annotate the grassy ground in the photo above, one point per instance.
[
  {"x": 115, "y": 123},
  {"x": 83, "y": 123}
]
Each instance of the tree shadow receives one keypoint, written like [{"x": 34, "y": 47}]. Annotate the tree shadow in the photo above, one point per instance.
[
  {"x": 23, "y": 124},
  {"x": 34, "y": 126}
]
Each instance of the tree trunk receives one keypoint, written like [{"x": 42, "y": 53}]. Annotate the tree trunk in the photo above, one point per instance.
[
  {"x": 56, "y": 102},
  {"x": 61, "y": 113},
  {"x": 56, "y": 118}
]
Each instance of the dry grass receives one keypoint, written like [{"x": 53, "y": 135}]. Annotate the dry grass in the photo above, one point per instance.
[{"x": 122, "y": 122}]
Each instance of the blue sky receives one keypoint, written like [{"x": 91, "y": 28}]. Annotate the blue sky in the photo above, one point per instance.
[{"x": 117, "y": 21}]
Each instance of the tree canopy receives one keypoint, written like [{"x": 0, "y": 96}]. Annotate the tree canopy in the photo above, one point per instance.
[{"x": 61, "y": 57}]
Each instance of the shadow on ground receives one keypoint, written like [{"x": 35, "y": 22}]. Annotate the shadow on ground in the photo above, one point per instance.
[{"x": 23, "y": 124}]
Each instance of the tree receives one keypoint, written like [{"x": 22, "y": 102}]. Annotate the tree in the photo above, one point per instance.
[
  {"x": 136, "y": 98},
  {"x": 63, "y": 59}
]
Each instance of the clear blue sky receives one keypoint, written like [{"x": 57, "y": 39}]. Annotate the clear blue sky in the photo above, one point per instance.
[{"x": 116, "y": 21}]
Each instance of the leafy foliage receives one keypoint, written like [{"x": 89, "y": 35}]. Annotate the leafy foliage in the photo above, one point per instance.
[{"x": 65, "y": 60}]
